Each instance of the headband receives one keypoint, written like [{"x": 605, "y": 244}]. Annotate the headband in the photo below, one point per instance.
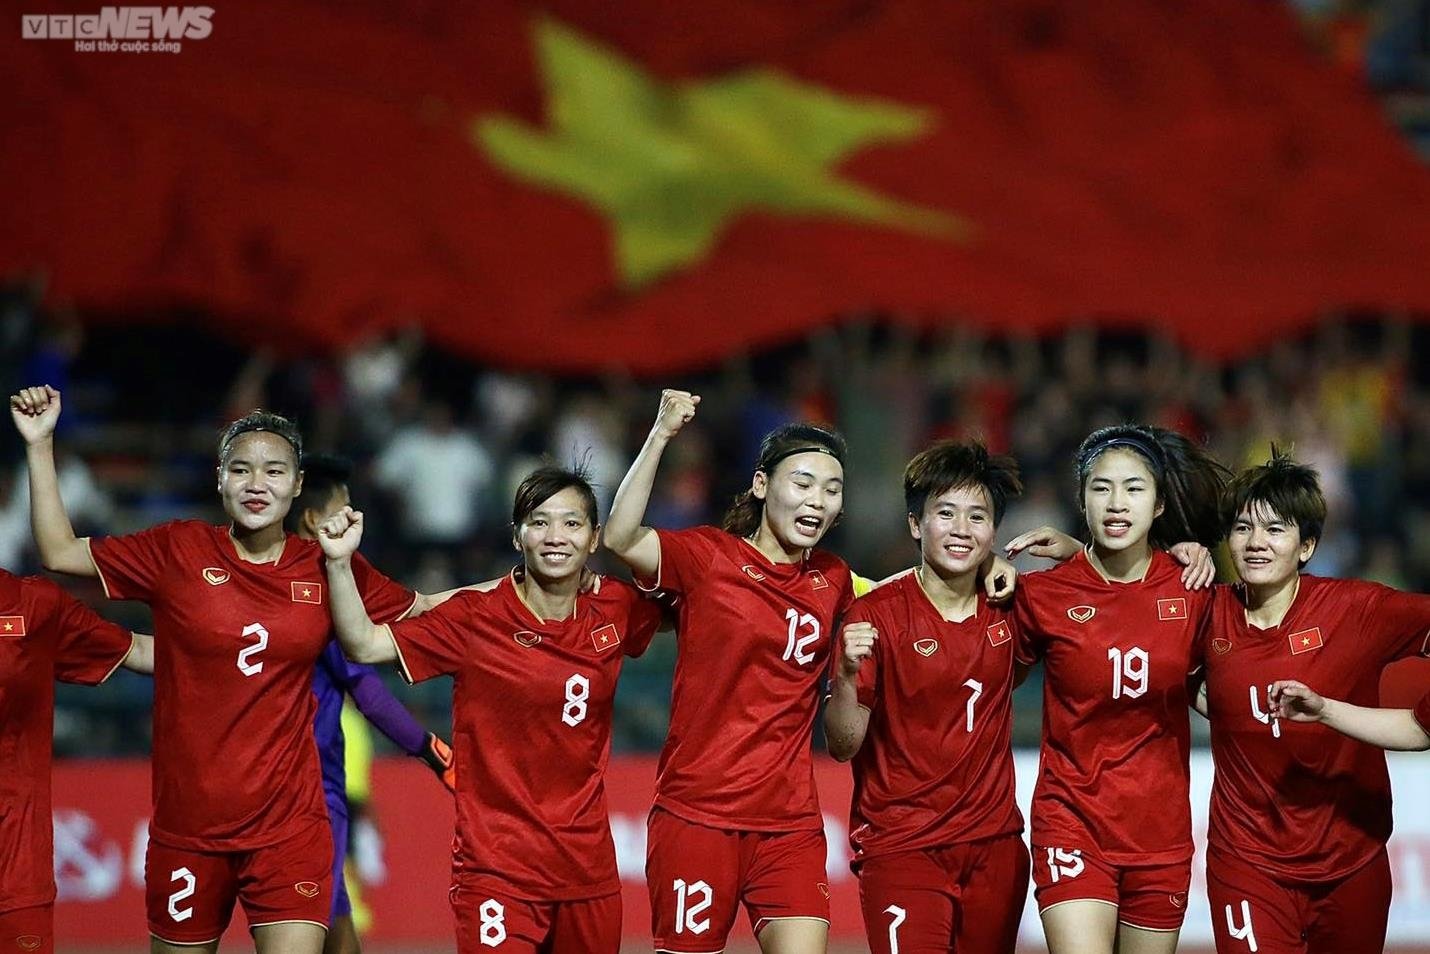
[
  {"x": 1149, "y": 449},
  {"x": 771, "y": 463}
]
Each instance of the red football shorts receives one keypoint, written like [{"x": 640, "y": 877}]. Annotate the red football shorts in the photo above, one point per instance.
[
  {"x": 699, "y": 876},
  {"x": 494, "y": 919},
  {"x": 29, "y": 930},
  {"x": 190, "y": 894},
  {"x": 1152, "y": 897},
  {"x": 966, "y": 898},
  {"x": 1254, "y": 911}
]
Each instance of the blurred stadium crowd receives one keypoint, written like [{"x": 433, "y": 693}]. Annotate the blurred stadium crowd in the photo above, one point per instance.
[{"x": 439, "y": 444}]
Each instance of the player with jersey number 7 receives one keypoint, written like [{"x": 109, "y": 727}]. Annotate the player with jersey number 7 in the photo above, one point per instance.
[
  {"x": 534, "y": 663},
  {"x": 1296, "y": 859},
  {"x": 240, "y": 617}
]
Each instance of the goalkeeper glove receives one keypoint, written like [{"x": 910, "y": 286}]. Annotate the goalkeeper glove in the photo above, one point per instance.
[{"x": 438, "y": 756}]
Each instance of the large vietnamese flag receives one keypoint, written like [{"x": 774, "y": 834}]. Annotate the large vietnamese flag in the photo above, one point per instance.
[{"x": 659, "y": 185}]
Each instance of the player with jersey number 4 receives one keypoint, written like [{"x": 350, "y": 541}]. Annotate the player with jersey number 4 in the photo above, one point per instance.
[
  {"x": 240, "y": 617},
  {"x": 534, "y": 662},
  {"x": 1296, "y": 859}
]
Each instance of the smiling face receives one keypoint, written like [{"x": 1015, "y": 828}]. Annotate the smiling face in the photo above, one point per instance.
[
  {"x": 557, "y": 537},
  {"x": 1120, "y": 500},
  {"x": 956, "y": 530},
  {"x": 802, "y": 498},
  {"x": 1266, "y": 548},
  {"x": 258, "y": 479}
]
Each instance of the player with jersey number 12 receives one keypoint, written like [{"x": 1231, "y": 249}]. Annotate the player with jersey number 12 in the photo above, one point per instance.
[
  {"x": 534, "y": 663},
  {"x": 240, "y": 617},
  {"x": 736, "y": 816}
]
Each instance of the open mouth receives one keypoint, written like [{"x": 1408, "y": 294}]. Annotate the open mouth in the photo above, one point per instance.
[
  {"x": 557, "y": 557},
  {"x": 958, "y": 551},
  {"x": 1117, "y": 528},
  {"x": 808, "y": 525}
]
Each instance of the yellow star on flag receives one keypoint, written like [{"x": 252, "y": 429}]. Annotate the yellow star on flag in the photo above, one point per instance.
[{"x": 671, "y": 164}]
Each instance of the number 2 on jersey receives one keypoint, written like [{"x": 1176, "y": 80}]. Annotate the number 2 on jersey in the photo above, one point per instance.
[
  {"x": 795, "y": 648},
  {"x": 248, "y": 652}
]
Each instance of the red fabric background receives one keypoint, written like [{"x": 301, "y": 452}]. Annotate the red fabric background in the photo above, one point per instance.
[{"x": 306, "y": 172}]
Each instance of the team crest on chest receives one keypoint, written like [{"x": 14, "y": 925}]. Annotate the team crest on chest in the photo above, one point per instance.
[
  {"x": 527, "y": 638},
  {"x": 307, "y": 592},
  {"x": 1081, "y": 614},
  {"x": 12, "y": 625},
  {"x": 999, "y": 633},
  {"x": 1221, "y": 645},
  {"x": 817, "y": 580},
  {"x": 605, "y": 637},
  {"x": 215, "y": 576},
  {"x": 1305, "y": 641},
  {"x": 28, "y": 942},
  {"x": 926, "y": 647},
  {"x": 754, "y": 574},
  {"x": 1173, "y": 609},
  {"x": 308, "y": 889}
]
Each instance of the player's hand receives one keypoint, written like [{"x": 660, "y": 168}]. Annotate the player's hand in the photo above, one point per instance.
[
  {"x": 438, "y": 756},
  {"x": 856, "y": 644},
  {"x": 340, "y": 534},
  {"x": 1000, "y": 578},
  {"x": 35, "y": 412},
  {"x": 1199, "y": 569},
  {"x": 1295, "y": 701},
  {"x": 1044, "y": 542},
  {"x": 676, "y": 410}
]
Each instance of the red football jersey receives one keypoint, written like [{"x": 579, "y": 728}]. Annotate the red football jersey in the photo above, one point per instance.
[
  {"x": 1301, "y": 800},
  {"x": 45, "y": 634},
  {"x": 235, "y": 643},
  {"x": 936, "y": 766},
  {"x": 754, "y": 644},
  {"x": 1422, "y": 712},
  {"x": 531, "y": 727},
  {"x": 1114, "y": 775}
]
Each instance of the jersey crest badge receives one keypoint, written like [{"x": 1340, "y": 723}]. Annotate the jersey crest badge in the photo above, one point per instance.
[
  {"x": 1179, "y": 899},
  {"x": 753, "y": 573},
  {"x": 817, "y": 580},
  {"x": 1221, "y": 645},
  {"x": 1305, "y": 641},
  {"x": 12, "y": 625},
  {"x": 605, "y": 637},
  {"x": 999, "y": 633},
  {"x": 307, "y": 593},
  {"x": 215, "y": 576},
  {"x": 308, "y": 889},
  {"x": 527, "y": 638},
  {"x": 28, "y": 942},
  {"x": 1173, "y": 609},
  {"x": 1081, "y": 614},
  {"x": 926, "y": 647}
]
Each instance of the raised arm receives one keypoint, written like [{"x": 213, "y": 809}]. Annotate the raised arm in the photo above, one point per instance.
[
  {"x": 625, "y": 535},
  {"x": 1388, "y": 728},
  {"x": 845, "y": 720},
  {"x": 362, "y": 640},
  {"x": 36, "y": 411}
]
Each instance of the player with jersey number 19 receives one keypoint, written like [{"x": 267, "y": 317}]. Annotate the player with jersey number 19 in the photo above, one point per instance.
[
  {"x": 1118, "y": 633},
  {"x": 736, "y": 816},
  {"x": 1300, "y": 816},
  {"x": 922, "y": 700},
  {"x": 535, "y": 663},
  {"x": 240, "y": 617}
]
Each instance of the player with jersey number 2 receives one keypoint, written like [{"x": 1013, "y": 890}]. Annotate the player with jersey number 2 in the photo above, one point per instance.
[
  {"x": 1118, "y": 633},
  {"x": 1300, "y": 816},
  {"x": 535, "y": 663},
  {"x": 922, "y": 701},
  {"x": 240, "y": 617}
]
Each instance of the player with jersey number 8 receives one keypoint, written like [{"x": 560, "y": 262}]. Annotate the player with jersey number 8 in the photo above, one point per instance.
[
  {"x": 1118, "y": 633},
  {"x": 1299, "y": 818},
  {"x": 240, "y": 618},
  {"x": 535, "y": 663}
]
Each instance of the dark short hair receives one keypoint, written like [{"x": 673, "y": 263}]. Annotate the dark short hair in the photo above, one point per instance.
[
  {"x": 323, "y": 474},
  {"x": 546, "y": 482},
  {"x": 743, "y": 517},
  {"x": 261, "y": 420},
  {"x": 1289, "y": 489},
  {"x": 1189, "y": 481},
  {"x": 950, "y": 465}
]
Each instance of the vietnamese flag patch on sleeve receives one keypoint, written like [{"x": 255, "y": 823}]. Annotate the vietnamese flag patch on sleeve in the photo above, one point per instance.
[{"x": 12, "y": 625}]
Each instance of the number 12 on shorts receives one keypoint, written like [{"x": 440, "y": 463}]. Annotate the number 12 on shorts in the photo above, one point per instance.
[{"x": 688, "y": 909}]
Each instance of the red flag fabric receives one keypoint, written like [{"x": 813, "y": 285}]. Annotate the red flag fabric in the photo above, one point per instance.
[{"x": 564, "y": 188}]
